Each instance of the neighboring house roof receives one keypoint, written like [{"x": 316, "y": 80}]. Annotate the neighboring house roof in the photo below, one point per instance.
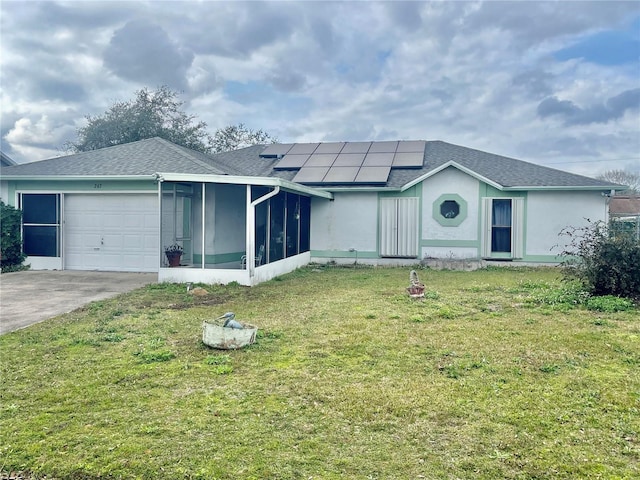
[
  {"x": 154, "y": 155},
  {"x": 142, "y": 158},
  {"x": 624, "y": 206},
  {"x": 6, "y": 160}
]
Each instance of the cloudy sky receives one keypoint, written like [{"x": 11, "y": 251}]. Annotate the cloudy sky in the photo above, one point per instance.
[{"x": 554, "y": 83}]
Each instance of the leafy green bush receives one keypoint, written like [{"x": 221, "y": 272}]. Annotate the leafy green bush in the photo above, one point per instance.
[
  {"x": 609, "y": 304},
  {"x": 567, "y": 296},
  {"x": 606, "y": 262},
  {"x": 10, "y": 239}
]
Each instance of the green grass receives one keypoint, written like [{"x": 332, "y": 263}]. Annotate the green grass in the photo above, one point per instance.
[{"x": 499, "y": 373}]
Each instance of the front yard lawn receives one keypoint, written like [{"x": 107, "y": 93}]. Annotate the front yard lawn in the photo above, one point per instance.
[{"x": 495, "y": 374}]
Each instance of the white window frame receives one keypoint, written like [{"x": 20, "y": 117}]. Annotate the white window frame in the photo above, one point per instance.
[{"x": 517, "y": 227}]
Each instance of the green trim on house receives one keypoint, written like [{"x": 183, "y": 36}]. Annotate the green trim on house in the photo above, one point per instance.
[
  {"x": 449, "y": 222},
  {"x": 343, "y": 254},
  {"x": 79, "y": 186},
  {"x": 450, "y": 243},
  {"x": 11, "y": 194},
  {"x": 414, "y": 191},
  {"x": 486, "y": 190},
  {"x": 86, "y": 186}
]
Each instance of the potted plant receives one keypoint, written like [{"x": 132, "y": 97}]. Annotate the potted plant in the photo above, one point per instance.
[{"x": 173, "y": 253}]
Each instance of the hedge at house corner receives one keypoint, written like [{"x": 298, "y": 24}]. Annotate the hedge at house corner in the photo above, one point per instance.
[
  {"x": 11, "y": 256},
  {"x": 604, "y": 258}
]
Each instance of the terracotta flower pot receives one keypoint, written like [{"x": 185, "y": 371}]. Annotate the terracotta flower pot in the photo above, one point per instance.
[
  {"x": 416, "y": 291},
  {"x": 174, "y": 259}
]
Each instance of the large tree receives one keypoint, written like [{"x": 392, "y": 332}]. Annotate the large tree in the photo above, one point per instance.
[
  {"x": 150, "y": 114},
  {"x": 623, "y": 177},
  {"x": 238, "y": 136}
]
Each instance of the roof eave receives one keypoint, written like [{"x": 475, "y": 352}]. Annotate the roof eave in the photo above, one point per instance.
[
  {"x": 448, "y": 164},
  {"x": 604, "y": 188},
  {"x": 507, "y": 188},
  {"x": 58, "y": 178},
  {"x": 244, "y": 180},
  {"x": 362, "y": 189}
]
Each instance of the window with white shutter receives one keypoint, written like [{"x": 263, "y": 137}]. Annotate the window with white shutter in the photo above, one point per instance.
[
  {"x": 399, "y": 227},
  {"x": 503, "y": 227}
]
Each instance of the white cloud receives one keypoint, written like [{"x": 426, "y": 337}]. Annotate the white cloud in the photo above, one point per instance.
[
  {"x": 37, "y": 139},
  {"x": 472, "y": 73}
]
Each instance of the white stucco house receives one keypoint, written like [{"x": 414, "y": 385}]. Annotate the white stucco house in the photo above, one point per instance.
[{"x": 258, "y": 212}]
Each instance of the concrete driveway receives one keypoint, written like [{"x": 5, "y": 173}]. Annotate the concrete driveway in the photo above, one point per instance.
[{"x": 33, "y": 296}]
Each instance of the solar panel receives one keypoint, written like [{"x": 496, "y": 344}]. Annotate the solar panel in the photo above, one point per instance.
[
  {"x": 383, "y": 147},
  {"x": 290, "y": 162},
  {"x": 341, "y": 175},
  {"x": 408, "y": 160},
  {"x": 411, "y": 146},
  {"x": 320, "y": 160},
  {"x": 356, "y": 147},
  {"x": 301, "y": 148},
  {"x": 349, "y": 160},
  {"x": 373, "y": 175},
  {"x": 346, "y": 162},
  {"x": 276, "y": 150},
  {"x": 378, "y": 160},
  {"x": 311, "y": 174},
  {"x": 330, "y": 147}
]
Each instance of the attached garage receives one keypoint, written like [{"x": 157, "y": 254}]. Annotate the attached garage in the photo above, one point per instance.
[
  {"x": 114, "y": 232},
  {"x": 86, "y": 231}
]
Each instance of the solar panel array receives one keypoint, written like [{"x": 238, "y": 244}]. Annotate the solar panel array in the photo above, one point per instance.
[{"x": 341, "y": 163}]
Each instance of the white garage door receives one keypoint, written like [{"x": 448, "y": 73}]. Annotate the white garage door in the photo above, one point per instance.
[{"x": 114, "y": 232}]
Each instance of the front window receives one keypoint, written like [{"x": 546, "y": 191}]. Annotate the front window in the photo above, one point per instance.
[
  {"x": 40, "y": 224},
  {"x": 501, "y": 226},
  {"x": 449, "y": 209}
]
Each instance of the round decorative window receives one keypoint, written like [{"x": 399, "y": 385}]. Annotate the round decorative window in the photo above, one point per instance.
[{"x": 449, "y": 209}]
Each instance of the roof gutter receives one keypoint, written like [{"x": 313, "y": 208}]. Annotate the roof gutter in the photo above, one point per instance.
[
  {"x": 63, "y": 178},
  {"x": 266, "y": 196},
  {"x": 242, "y": 180},
  {"x": 605, "y": 188},
  {"x": 362, "y": 189}
]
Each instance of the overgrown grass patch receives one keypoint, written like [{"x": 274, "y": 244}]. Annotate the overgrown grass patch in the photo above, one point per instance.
[{"x": 349, "y": 378}]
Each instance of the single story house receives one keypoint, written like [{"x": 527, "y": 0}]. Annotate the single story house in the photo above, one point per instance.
[{"x": 258, "y": 212}]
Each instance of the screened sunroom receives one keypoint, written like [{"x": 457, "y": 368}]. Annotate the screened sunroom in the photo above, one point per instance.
[{"x": 233, "y": 229}]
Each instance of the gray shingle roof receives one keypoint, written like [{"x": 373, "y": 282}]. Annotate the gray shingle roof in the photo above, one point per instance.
[
  {"x": 144, "y": 157},
  {"x": 245, "y": 161},
  {"x": 504, "y": 171},
  {"x": 153, "y": 155}
]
